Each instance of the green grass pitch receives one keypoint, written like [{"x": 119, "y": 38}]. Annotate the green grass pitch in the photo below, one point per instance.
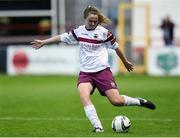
[{"x": 50, "y": 106}]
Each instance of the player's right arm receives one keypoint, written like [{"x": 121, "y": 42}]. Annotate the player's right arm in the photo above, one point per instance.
[
  {"x": 69, "y": 38},
  {"x": 40, "y": 43}
]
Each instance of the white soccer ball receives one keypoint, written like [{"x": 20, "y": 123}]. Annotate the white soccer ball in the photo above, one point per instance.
[{"x": 121, "y": 124}]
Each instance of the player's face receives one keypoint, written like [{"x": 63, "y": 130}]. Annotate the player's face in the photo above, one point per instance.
[{"x": 91, "y": 21}]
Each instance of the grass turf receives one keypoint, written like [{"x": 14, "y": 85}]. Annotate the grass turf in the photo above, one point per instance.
[{"x": 50, "y": 106}]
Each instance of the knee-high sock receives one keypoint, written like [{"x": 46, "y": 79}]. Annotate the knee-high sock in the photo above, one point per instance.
[
  {"x": 130, "y": 101},
  {"x": 92, "y": 115}
]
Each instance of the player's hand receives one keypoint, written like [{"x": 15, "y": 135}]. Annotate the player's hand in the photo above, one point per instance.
[
  {"x": 36, "y": 44},
  {"x": 129, "y": 66}
]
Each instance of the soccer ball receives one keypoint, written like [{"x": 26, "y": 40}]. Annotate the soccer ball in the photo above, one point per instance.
[{"x": 121, "y": 124}]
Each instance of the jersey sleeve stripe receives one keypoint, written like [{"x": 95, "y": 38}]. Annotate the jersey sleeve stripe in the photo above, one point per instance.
[
  {"x": 113, "y": 41},
  {"x": 109, "y": 38},
  {"x": 109, "y": 34},
  {"x": 74, "y": 35}
]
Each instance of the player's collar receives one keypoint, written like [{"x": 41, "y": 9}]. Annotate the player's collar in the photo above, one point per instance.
[{"x": 90, "y": 29}]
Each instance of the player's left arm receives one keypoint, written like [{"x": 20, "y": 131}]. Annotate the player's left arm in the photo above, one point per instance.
[
  {"x": 127, "y": 64},
  {"x": 112, "y": 44}
]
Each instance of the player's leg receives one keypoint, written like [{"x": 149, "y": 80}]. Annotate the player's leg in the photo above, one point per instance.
[
  {"x": 84, "y": 90},
  {"x": 122, "y": 100},
  {"x": 106, "y": 85}
]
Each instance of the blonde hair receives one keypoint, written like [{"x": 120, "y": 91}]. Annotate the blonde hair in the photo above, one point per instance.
[{"x": 93, "y": 10}]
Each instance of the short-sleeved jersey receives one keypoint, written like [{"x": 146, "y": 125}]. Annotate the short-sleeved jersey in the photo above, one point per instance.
[{"x": 93, "y": 45}]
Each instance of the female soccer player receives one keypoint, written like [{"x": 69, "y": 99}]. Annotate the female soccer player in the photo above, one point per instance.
[{"x": 94, "y": 40}]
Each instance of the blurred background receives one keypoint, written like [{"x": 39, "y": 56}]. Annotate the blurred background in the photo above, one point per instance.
[
  {"x": 38, "y": 91},
  {"x": 148, "y": 31}
]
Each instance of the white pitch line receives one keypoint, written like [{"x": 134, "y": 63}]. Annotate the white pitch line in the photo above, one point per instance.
[{"x": 78, "y": 119}]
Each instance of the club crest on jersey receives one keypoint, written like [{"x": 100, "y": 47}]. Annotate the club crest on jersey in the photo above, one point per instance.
[{"x": 95, "y": 35}]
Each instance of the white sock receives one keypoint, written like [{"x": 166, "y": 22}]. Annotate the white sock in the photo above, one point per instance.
[
  {"x": 130, "y": 101},
  {"x": 92, "y": 115}
]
